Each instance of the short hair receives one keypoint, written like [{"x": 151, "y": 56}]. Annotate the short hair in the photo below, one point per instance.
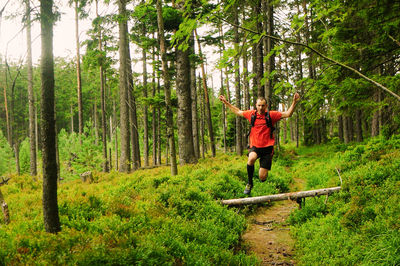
[{"x": 261, "y": 99}]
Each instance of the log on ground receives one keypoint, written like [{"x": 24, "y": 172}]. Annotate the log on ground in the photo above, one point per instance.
[{"x": 283, "y": 196}]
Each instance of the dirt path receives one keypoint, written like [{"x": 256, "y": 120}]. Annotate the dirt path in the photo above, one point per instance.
[{"x": 268, "y": 235}]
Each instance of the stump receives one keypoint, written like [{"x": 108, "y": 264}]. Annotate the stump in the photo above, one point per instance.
[{"x": 87, "y": 177}]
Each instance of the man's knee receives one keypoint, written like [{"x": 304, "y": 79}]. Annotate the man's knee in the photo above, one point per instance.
[
  {"x": 263, "y": 174},
  {"x": 252, "y": 158}
]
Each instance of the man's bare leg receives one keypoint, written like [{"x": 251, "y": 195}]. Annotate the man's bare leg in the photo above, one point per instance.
[{"x": 263, "y": 174}]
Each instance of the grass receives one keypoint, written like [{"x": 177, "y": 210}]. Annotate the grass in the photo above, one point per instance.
[{"x": 150, "y": 217}]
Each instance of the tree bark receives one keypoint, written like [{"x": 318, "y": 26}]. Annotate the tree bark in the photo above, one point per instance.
[
  {"x": 103, "y": 101},
  {"x": 154, "y": 109},
  {"x": 123, "y": 89},
  {"x": 359, "y": 132},
  {"x": 146, "y": 109},
  {"x": 206, "y": 99},
  {"x": 259, "y": 53},
  {"x": 193, "y": 90},
  {"x": 283, "y": 196},
  {"x": 184, "y": 116},
  {"x": 78, "y": 72},
  {"x": 50, "y": 205},
  {"x": 133, "y": 116},
  {"x": 268, "y": 47},
  {"x": 238, "y": 119},
  {"x": 31, "y": 97},
  {"x": 202, "y": 123},
  {"x": 375, "y": 116},
  {"x": 16, "y": 152},
  {"x": 167, "y": 89},
  {"x": 340, "y": 128}
]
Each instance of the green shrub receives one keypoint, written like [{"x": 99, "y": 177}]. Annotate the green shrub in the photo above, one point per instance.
[{"x": 7, "y": 163}]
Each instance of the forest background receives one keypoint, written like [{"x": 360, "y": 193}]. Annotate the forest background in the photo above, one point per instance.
[{"x": 111, "y": 118}]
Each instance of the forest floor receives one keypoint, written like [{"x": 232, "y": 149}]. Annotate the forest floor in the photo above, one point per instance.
[{"x": 268, "y": 236}]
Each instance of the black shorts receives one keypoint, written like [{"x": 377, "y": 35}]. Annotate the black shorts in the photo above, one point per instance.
[{"x": 265, "y": 155}]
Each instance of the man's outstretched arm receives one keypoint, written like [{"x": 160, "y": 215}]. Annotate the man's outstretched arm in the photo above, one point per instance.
[
  {"x": 290, "y": 111},
  {"x": 234, "y": 109}
]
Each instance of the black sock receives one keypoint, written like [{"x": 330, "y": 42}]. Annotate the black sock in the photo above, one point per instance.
[{"x": 250, "y": 172}]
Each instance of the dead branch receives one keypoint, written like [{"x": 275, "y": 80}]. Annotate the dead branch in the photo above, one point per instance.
[
  {"x": 321, "y": 55},
  {"x": 283, "y": 196}
]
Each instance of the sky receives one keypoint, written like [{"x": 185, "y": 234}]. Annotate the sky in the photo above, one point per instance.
[{"x": 13, "y": 36}]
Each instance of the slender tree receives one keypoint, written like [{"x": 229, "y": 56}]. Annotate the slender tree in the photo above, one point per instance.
[
  {"x": 102, "y": 98},
  {"x": 31, "y": 97},
  {"x": 123, "y": 89},
  {"x": 146, "y": 109},
  {"x": 50, "y": 205},
  {"x": 238, "y": 96},
  {"x": 78, "y": 69},
  {"x": 193, "y": 90},
  {"x": 206, "y": 97},
  {"x": 167, "y": 89}
]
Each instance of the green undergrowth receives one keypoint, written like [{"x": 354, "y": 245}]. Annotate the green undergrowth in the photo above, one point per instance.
[
  {"x": 359, "y": 225},
  {"x": 148, "y": 217}
]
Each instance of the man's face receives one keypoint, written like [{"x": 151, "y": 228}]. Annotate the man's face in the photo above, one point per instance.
[{"x": 261, "y": 106}]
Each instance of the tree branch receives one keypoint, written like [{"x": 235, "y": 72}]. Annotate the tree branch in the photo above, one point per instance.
[
  {"x": 321, "y": 55},
  {"x": 393, "y": 39}
]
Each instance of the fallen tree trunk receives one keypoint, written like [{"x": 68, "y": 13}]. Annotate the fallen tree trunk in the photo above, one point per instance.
[{"x": 283, "y": 196}]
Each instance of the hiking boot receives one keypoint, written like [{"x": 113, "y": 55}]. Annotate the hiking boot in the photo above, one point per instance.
[{"x": 247, "y": 189}]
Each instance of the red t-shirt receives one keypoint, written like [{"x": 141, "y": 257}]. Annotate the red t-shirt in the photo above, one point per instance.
[{"x": 260, "y": 136}]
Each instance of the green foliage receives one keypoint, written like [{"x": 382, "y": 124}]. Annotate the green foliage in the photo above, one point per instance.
[
  {"x": 147, "y": 217},
  {"x": 6, "y": 155},
  {"x": 359, "y": 225},
  {"x": 24, "y": 156},
  {"x": 78, "y": 157}
]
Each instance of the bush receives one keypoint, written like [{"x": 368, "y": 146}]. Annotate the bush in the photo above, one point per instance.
[{"x": 360, "y": 224}]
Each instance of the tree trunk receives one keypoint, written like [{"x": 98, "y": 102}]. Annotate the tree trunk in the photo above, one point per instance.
[
  {"x": 375, "y": 116},
  {"x": 283, "y": 196},
  {"x": 346, "y": 133},
  {"x": 72, "y": 118},
  {"x": 206, "y": 98},
  {"x": 167, "y": 89},
  {"x": 359, "y": 132},
  {"x": 123, "y": 89},
  {"x": 159, "y": 138},
  {"x": 259, "y": 53},
  {"x": 268, "y": 47},
  {"x": 9, "y": 134},
  {"x": 78, "y": 71},
  {"x": 145, "y": 111},
  {"x": 133, "y": 117},
  {"x": 103, "y": 102},
  {"x": 115, "y": 136},
  {"x": 193, "y": 90},
  {"x": 202, "y": 119},
  {"x": 16, "y": 152},
  {"x": 50, "y": 205},
  {"x": 154, "y": 109},
  {"x": 184, "y": 116},
  {"x": 95, "y": 122},
  {"x": 350, "y": 128},
  {"x": 238, "y": 119},
  {"x": 31, "y": 97},
  {"x": 340, "y": 128}
]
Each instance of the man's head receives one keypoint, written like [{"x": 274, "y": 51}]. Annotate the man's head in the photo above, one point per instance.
[{"x": 261, "y": 105}]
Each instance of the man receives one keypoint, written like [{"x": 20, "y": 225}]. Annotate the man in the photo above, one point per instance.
[{"x": 261, "y": 138}]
